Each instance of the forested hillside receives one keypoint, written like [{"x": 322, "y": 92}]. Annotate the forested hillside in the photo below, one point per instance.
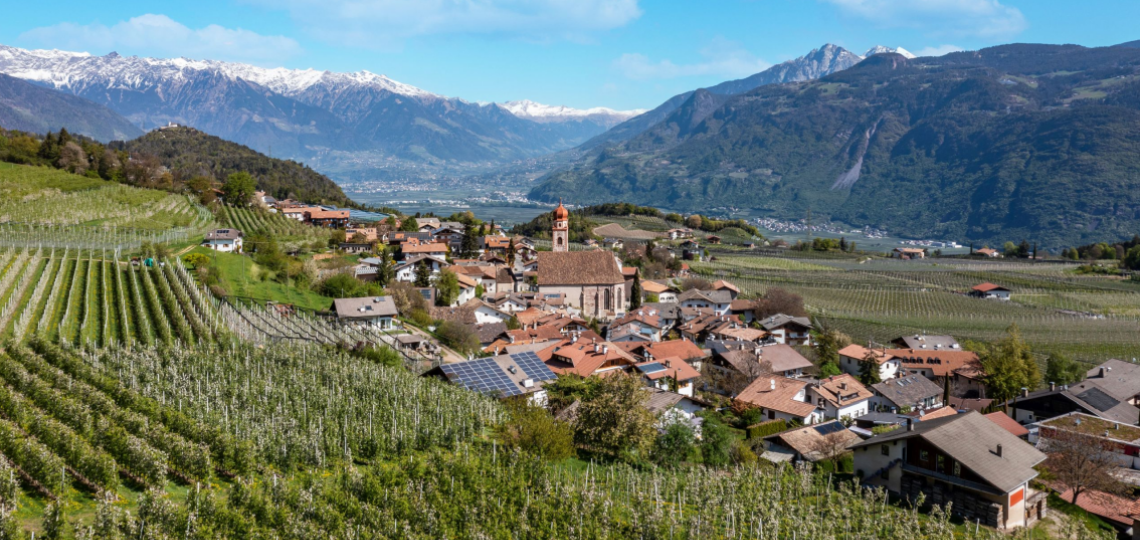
[
  {"x": 28, "y": 107},
  {"x": 1018, "y": 141},
  {"x": 188, "y": 152}
]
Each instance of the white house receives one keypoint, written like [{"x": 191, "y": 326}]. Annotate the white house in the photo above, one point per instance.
[
  {"x": 781, "y": 398},
  {"x": 841, "y": 396},
  {"x": 377, "y": 311},
  {"x": 228, "y": 240},
  {"x": 719, "y": 301},
  {"x": 851, "y": 358},
  {"x": 486, "y": 313},
  {"x": 406, "y": 269}
]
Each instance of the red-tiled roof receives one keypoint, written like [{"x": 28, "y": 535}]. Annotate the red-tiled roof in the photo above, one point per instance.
[
  {"x": 780, "y": 398},
  {"x": 423, "y": 248},
  {"x": 1008, "y": 423},
  {"x": 987, "y": 287},
  {"x": 860, "y": 352},
  {"x": 940, "y": 363}
]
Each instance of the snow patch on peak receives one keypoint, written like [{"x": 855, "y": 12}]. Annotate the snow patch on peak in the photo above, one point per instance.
[
  {"x": 532, "y": 110},
  {"x": 880, "y": 49}
]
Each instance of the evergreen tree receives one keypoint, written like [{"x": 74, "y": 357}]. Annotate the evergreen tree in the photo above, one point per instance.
[
  {"x": 1009, "y": 366},
  {"x": 409, "y": 225},
  {"x": 869, "y": 369},
  {"x": 511, "y": 253},
  {"x": 469, "y": 246},
  {"x": 447, "y": 287},
  {"x": 387, "y": 270},
  {"x": 423, "y": 274},
  {"x": 842, "y": 243},
  {"x": 635, "y": 292}
]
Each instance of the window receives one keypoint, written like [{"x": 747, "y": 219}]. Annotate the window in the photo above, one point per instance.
[
  {"x": 957, "y": 469},
  {"x": 560, "y": 240},
  {"x": 923, "y": 455},
  {"x": 939, "y": 463},
  {"x": 609, "y": 300},
  {"x": 886, "y": 450}
]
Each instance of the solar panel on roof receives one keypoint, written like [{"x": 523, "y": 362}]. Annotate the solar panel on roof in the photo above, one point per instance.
[
  {"x": 652, "y": 367},
  {"x": 534, "y": 367},
  {"x": 829, "y": 428},
  {"x": 1098, "y": 399},
  {"x": 484, "y": 376}
]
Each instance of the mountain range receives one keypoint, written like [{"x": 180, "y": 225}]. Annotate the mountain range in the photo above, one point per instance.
[
  {"x": 301, "y": 113},
  {"x": 1017, "y": 141},
  {"x": 28, "y": 107}
]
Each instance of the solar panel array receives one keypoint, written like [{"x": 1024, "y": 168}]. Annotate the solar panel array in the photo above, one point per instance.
[
  {"x": 483, "y": 376},
  {"x": 533, "y": 367},
  {"x": 652, "y": 367},
  {"x": 829, "y": 428}
]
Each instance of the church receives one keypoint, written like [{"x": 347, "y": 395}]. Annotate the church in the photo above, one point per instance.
[{"x": 591, "y": 280}]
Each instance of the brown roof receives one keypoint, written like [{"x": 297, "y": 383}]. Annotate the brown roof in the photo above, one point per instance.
[
  {"x": 583, "y": 357},
  {"x": 678, "y": 348},
  {"x": 931, "y": 414},
  {"x": 496, "y": 242},
  {"x": 1008, "y": 423},
  {"x": 781, "y": 398},
  {"x": 655, "y": 287},
  {"x": 941, "y": 363},
  {"x": 530, "y": 316},
  {"x": 986, "y": 251},
  {"x": 722, "y": 284},
  {"x": 423, "y": 248},
  {"x": 742, "y": 333},
  {"x": 987, "y": 287},
  {"x": 843, "y": 390},
  {"x": 678, "y": 369},
  {"x": 742, "y": 305},
  {"x": 860, "y": 352},
  {"x": 328, "y": 214},
  {"x": 803, "y": 440},
  {"x": 783, "y": 358},
  {"x": 578, "y": 268}
]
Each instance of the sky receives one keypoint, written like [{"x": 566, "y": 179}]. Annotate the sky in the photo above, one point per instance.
[{"x": 622, "y": 54}]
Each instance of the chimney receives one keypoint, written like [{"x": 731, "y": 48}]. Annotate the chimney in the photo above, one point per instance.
[
  {"x": 1103, "y": 371},
  {"x": 910, "y": 424},
  {"x": 669, "y": 363},
  {"x": 1052, "y": 386},
  {"x": 1024, "y": 392},
  {"x": 999, "y": 450},
  {"x": 842, "y": 386}
]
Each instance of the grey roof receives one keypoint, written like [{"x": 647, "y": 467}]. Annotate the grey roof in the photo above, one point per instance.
[
  {"x": 883, "y": 418},
  {"x": 374, "y": 261},
  {"x": 1092, "y": 397},
  {"x": 972, "y": 439},
  {"x": 224, "y": 234},
  {"x": 907, "y": 391},
  {"x": 668, "y": 311},
  {"x": 921, "y": 341},
  {"x": 1121, "y": 379},
  {"x": 365, "y": 308},
  {"x": 722, "y": 296},
  {"x": 783, "y": 358},
  {"x": 779, "y": 320},
  {"x": 718, "y": 346},
  {"x": 489, "y": 331},
  {"x": 662, "y": 400}
]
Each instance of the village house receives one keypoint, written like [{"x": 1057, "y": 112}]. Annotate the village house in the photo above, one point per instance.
[
  {"x": 586, "y": 358},
  {"x": 397, "y": 238},
  {"x": 691, "y": 251},
  {"x": 699, "y": 325},
  {"x": 963, "y": 459},
  {"x": 1008, "y": 424},
  {"x": 665, "y": 293},
  {"x": 642, "y": 324},
  {"x": 411, "y": 249},
  {"x": 788, "y": 330},
  {"x": 1118, "y": 378},
  {"x": 744, "y": 309},
  {"x": 376, "y": 311},
  {"x": 450, "y": 235},
  {"x": 336, "y": 219},
  {"x": 613, "y": 243},
  {"x": 908, "y": 253},
  {"x": 503, "y": 376},
  {"x": 226, "y": 240},
  {"x": 780, "y": 398},
  {"x": 809, "y": 443},
  {"x": 716, "y": 301},
  {"x": 299, "y": 213},
  {"x": 990, "y": 291},
  {"x": 354, "y": 249},
  {"x": 963, "y": 368},
  {"x": 988, "y": 252},
  {"x": 427, "y": 224},
  {"x": 405, "y": 270},
  {"x": 913, "y": 392},
  {"x": 1088, "y": 397},
  {"x": 683, "y": 349},
  {"x": 923, "y": 341},
  {"x": 494, "y": 244},
  {"x": 467, "y": 288},
  {"x": 678, "y": 234},
  {"x": 371, "y": 234},
  {"x": 670, "y": 373},
  {"x": 670, "y": 407},
  {"x": 851, "y": 360},
  {"x": 840, "y": 396},
  {"x": 1122, "y": 438},
  {"x": 722, "y": 285}
]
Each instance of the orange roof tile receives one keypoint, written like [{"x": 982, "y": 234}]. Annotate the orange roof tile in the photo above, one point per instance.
[
  {"x": 1007, "y": 423},
  {"x": 860, "y": 352},
  {"x": 778, "y": 394}
]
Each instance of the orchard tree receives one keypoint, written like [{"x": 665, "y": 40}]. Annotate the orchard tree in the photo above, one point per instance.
[
  {"x": 448, "y": 286},
  {"x": 238, "y": 189},
  {"x": 614, "y": 419}
]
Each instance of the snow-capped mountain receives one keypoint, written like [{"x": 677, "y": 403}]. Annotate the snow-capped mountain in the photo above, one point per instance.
[
  {"x": 879, "y": 49},
  {"x": 303, "y": 112},
  {"x": 539, "y": 112}
]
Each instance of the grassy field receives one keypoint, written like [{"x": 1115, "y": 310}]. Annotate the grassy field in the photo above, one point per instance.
[
  {"x": 1090, "y": 319},
  {"x": 240, "y": 276}
]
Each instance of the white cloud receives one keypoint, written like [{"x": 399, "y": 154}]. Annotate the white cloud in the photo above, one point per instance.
[
  {"x": 721, "y": 58},
  {"x": 159, "y": 35},
  {"x": 987, "y": 19},
  {"x": 383, "y": 23},
  {"x": 938, "y": 50}
]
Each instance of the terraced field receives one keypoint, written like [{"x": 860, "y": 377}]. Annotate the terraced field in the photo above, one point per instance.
[{"x": 289, "y": 232}]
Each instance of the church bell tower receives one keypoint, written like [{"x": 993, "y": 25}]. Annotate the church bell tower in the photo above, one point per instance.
[{"x": 560, "y": 237}]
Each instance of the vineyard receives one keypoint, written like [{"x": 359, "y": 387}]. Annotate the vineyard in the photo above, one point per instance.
[
  {"x": 286, "y": 231},
  {"x": 1056, "y": 310}
]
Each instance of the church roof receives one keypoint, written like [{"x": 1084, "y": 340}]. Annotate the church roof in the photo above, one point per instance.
[{"x": 578, "y": 268}]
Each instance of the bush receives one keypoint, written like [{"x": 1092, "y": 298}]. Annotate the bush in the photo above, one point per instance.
[
  {"x": 716, "y": 442},
  {"x": 196, "y": 260},
  {"x": 765, "y": 429},
  {"x": 458, "y": 336},
  {"x": 674, "y": 445},
  {"x": 750, "y": 416},
  {"x": 532, "y": 429},
  {"x": 421, "y": 318},
  {"x": 381, "y": 355},
  {"x": 341, "y": 286}
]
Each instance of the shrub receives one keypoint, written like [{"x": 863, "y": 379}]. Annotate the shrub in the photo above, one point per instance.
[
  {"x": 673, "y": 445},
  {"x": 533, "y": 429},
  {"x": 765, "y": 429}
]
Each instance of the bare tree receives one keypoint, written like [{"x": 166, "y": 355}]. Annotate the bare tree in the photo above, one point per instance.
[
  {"x": 735, "y": 377},
  {"x": 777, "y": 301},
  {"x": 1082, "y": 462},
  {"x": 830, "y": 446}
]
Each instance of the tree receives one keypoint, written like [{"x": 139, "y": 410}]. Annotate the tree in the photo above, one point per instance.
[
  {"x": 741, "y": 374},
  {"x": 569, "y": 388},
  {"x": 469, "y": 245},
  {"x": 842, "y": 243},
  {"x": 827, "y": 344},
  {"x": 531, "y": 428},
  {"x": 694, "y": 221},
  {"x": 1009, "y": 366},
  {"x": 869, "y": 369},
  {"x": 358, "y": 238},
  {"x": 1080, "y": 461},
  {"x": 447, "y": 286},
  {"x": 1023, "y": 249},
  {"x": 635, "y": 293},
  {"x": 406, "y": 297},
  {"x": 1010, "y": 249},
  {"x": 1061, "y": 369},
  {"x": 716, "y": 442},
  {"x": 423, "y": 274},
  {"x": 1132, "y": 259},
  {"x": 409, "y": 224},
  {"x": 386, "y": 271},
  {"x": 56, "y": 526},
  {"x": 458, "y": 336},
  {"x": 673, "y": 444},
  {"x": 341, "y": 286},
  {"x": 511, "y": 253},
  {"x": 238, "y": 189},
  {"x": 614, "y": 420},
  {"x": 196, "y": 260},
  {"x": 779, "y": 301}
]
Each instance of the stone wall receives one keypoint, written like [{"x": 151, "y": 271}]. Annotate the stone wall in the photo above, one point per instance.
[{"x": 964, "y": 503}]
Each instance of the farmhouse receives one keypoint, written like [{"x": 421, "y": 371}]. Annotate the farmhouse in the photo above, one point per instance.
[
  {"x": 788, "y": 330},
  {"x": 228, "y": 240},
  {"x": 780, "y": 397},
  {"x": 991, "y": 291},
  {"x": 988, "y": 252},
  {"x": 378, "y": 311},
  {"x": 911, "y": 391},
  {"x": 841, "y": 396},
  {"x": 963, "y": 459},
  {"x": 908, "y": 253},
  {"x": 852, "y": 356}
]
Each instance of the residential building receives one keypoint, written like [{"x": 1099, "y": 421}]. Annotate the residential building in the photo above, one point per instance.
[
  {"x": 717, "y": 302},
  {"x": 923, "y": 342},
  {"x": 780, "y": 397},
  {"x": 788, "y": 330},
  {"x": 1118, "y": 378},
  {"x": 967, "y": 378},
  {"x": 908, "y": 253},
  {"x": 990, "y": 291},
  {"x": 913, "y": 392},
  {"x": 405, "y": 270},
  {"x": 355, "y": 249},
  {"x": 336, "y": 219},
  {"x": 852, "y": 356},
  {"x": 1009, "y": 424},
  {"x": 965, "y": 460},
  {"x": 1122, "y": 438},
  {"x": 670, "y": 407},
  {"x": 1088, "y": 397},
  {"x": 809, "y": 443},
  {"x": 665, "y": 292},
  {"x": 501, "y": 376},
  {"x": 988, "y": 252},
  {"x": 642, "y": 324},
  {"x": 226, "y": 240},
  {"x": 377, "y": 311},
  {"x": 669, "y": 373},
  {"x": 840, "y": 396}
]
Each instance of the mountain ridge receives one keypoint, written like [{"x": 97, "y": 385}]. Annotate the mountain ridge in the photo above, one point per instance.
[{"x": 25, "y": 106}]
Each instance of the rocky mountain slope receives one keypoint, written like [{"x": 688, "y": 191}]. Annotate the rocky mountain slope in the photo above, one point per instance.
[
  {"x": 1010, "y": 142},
  {"x": 28, "y": 107}
]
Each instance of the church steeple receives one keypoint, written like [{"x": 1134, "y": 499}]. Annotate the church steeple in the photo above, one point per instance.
[{"x": 560, "y": 236}]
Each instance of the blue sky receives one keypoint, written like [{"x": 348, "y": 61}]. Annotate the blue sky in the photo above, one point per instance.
[{"x": 616, "y": 53}]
